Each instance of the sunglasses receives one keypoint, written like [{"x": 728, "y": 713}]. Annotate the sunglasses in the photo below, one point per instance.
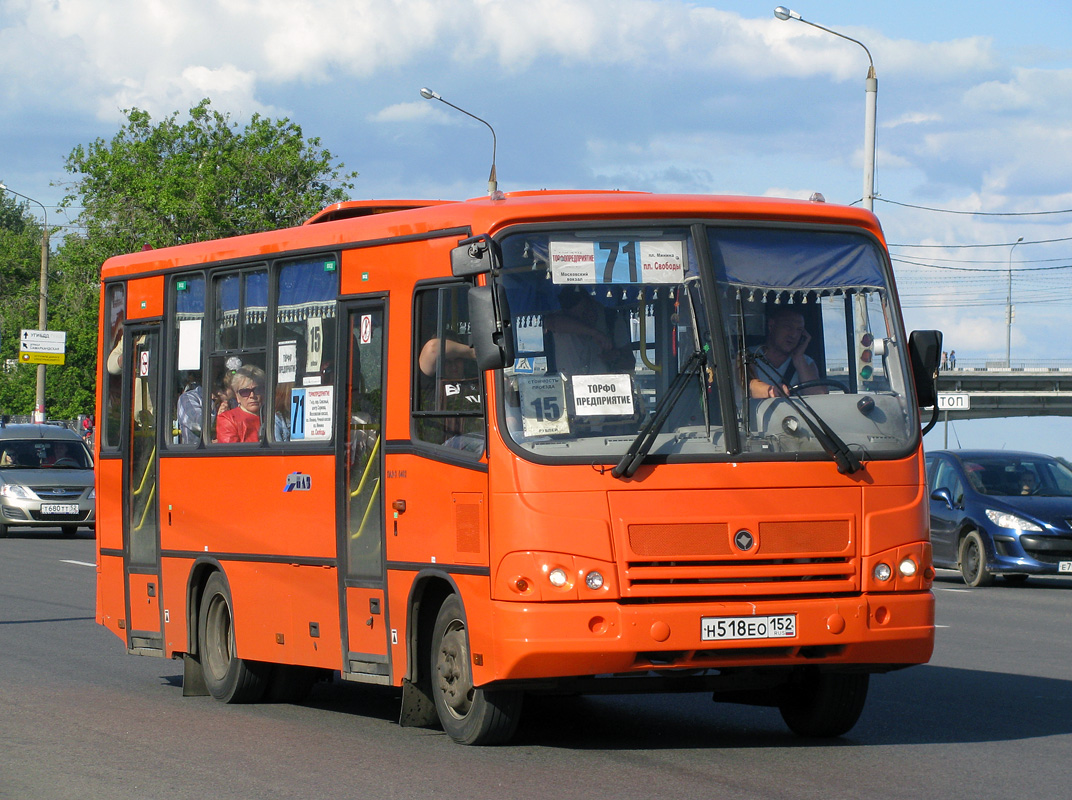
[{"x": 249, "y": 391}]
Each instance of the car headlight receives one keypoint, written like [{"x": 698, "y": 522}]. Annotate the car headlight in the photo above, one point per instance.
[
  {"x": 15, "y": 491},
  {"x": 1004, "y": 519}
]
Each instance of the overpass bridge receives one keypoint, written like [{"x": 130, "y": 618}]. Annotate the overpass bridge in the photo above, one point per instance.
[{"x": 982, "y": 389}]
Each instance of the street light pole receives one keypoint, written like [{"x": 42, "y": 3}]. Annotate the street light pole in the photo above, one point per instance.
[
  {"x": 870, "y": 105},
  {"x": 493, "y": 182},
  {"x": 42, "y": 303},
  {"x": 1008, "y": 311}
]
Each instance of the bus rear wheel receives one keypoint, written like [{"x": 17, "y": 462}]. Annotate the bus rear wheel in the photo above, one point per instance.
[
  {"x": 825, "y": 704},
  {"x": 227, "y": 677},
  {"x": 468, "y": 715}
]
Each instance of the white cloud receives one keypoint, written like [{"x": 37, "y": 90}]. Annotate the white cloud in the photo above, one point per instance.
[{"x": 404, "y": 112}]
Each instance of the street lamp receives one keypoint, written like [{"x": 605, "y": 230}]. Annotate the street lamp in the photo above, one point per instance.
[
  {"x": 493, "y": 183},
  {"x": 870, "y": 106},
  {"x": 42, "y": 304},
  {"x": 1008, "y": 311}
]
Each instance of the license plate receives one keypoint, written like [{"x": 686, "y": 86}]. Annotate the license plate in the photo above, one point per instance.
[
  {"x": 1064, "y": 566},
  {"x": 774, "y": 626},
  {"x": 59, "y": 508}
]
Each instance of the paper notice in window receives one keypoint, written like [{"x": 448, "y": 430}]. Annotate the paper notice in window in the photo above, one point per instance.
[
  {"x": 189, "y": 344},
  {"x": 287, "y": 361},
  {"x": 602, "y": 395},
  {"x": 572, "y": 262},
  {"x": 661, "y": 262}
]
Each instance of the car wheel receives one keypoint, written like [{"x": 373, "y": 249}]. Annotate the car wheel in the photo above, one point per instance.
[
  {"x": 825, "y": 705},
  {"x": 228, "y": 677},
  {"x": 468, "y": 715},
  {"x": 973, "y": 561}
]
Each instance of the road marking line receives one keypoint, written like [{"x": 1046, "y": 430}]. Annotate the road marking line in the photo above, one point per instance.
[
  {"x": 78, "y": 563},
  {"x": 942, "y": 589},
  {"x": 941, "y": 626}
]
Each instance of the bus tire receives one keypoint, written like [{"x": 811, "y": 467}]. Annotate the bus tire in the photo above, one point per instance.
[
  {"x": 825, "y": 704},
  {"x": 973, "y": 567},
  {"x": 228, "y": 678},
  {"x": 468, "y": 715}
]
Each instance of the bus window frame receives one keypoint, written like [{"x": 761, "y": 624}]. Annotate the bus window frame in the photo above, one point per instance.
[{"x": 438, "y": 451}]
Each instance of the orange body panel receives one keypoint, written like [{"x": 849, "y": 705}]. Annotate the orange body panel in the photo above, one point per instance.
[
  {"x": 144, "y": 603},
  {"x": 145, "y": 297},
  {"x": 366, "y": 627},
  {"x": 111, "y": 594}
]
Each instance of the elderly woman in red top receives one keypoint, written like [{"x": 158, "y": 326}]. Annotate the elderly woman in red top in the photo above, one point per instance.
[{"x": 243, "y": 424}]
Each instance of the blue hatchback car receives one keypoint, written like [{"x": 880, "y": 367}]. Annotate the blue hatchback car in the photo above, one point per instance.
[{"x": 996, "y": 512}]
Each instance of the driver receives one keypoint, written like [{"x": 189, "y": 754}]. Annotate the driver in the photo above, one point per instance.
[
  {"x": 1028, "y": 483},
  {"x": 783, "y": 359}
]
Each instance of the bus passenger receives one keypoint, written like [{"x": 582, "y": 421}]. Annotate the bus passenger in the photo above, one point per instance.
[
  {"x": 783, "y": 360},
  {"x": 583, "y": 339},
  {"x": 243, "y": 424}
]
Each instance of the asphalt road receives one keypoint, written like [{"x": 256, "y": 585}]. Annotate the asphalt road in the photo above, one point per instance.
[{"x": 990, "y": 717}]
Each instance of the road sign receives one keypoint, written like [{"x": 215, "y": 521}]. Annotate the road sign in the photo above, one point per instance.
[
  {"x": 41, "y": 358},
  {"x": 31, "y": 341},
  {"x": 954, "y": 401}
]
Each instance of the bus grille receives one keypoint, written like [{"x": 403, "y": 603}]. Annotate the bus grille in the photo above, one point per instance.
[{"x": 700, "y": 559}]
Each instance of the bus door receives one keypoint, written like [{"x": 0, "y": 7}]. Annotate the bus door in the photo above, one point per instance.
[
  {"x": 362, "y": 518},
  {"x": 141, "y": 531}
]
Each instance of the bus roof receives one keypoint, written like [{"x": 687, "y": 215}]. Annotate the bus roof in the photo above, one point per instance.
[{"x": 345, "y": 223}]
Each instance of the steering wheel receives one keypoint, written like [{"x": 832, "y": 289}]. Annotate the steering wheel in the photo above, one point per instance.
[
  {"x": 65, "y": 462},
  {"x": 818, "y": 382}
]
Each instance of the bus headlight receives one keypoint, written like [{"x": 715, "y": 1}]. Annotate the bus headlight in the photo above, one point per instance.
[
  {"x": 558, "y": 577},
  {"x": 594, "y": 580},
  {"x": 882, "y": 572},
  {"x": 908, "y": 568}
]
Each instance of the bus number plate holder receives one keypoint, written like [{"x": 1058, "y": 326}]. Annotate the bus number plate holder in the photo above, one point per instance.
[{"x": 773, "y": 626}]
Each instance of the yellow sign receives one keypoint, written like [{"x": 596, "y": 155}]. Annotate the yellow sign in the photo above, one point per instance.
[{"x": 41, "y": 358}]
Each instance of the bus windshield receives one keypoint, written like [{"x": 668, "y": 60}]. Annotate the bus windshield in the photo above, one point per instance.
[{"x": 784, "y": 340}]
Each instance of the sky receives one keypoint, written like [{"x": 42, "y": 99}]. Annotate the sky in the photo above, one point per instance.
[{"x": 974, "y": 134}]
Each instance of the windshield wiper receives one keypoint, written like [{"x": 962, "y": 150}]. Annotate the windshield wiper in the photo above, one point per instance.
[
  {"x": 644, "y": 441},
  {"x": 847, "y": 461}
]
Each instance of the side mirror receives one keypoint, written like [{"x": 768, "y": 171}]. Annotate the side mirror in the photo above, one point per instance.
[
  {"x": 943, "y": 496},
  {"x": 925, "y": 352},
  {"x": 493, "y": 337},
  {"x": 472, "y": 256}
]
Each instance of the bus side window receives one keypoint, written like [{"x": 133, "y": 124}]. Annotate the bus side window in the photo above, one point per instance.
[
  {"x": 111, "y": 397},
  {"x": 240, "y": 308},
  {"x": 303, "y": 344},
  {"x": 448, "y": 407},
  {"x": 189, "y": 299}
]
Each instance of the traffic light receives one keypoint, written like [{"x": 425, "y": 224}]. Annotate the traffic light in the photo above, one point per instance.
[{"x": 865, "y": 354}]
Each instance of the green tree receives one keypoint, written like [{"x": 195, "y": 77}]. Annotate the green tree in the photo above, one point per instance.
[
  {"x": 20, "y": 265},
  {"x": 167, "y": 183}
]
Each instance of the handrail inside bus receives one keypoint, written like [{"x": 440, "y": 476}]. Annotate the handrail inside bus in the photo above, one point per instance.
[
  {"x": 145, "y": 510},
  {"x": 145, "y": 476}
]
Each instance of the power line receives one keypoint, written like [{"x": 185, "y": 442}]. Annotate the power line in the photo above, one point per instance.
[
  {"x": 978, "y": 213},
  {"x": 966, "y": 246}
]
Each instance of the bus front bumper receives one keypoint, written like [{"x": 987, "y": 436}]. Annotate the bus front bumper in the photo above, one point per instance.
[{"x": 556, "y": 640}]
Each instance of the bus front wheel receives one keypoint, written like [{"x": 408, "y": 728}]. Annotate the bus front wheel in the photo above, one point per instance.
[
  {"x": 468, "y": 715},
  {"x": 825, "y": 704},
  {"x": 227, "y": 677}
]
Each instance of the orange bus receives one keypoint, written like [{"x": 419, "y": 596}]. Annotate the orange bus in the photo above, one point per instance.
[{"x": 534, "y": 442}]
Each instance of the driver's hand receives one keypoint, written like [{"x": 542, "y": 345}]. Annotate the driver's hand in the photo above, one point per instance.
[{"x": 802, "y": 345}]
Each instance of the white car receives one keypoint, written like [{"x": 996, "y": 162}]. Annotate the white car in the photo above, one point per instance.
[{"x": 46, "y": 479}]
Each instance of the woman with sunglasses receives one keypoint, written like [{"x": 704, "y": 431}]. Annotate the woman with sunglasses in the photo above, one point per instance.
[{"x": 243, "y": 423}]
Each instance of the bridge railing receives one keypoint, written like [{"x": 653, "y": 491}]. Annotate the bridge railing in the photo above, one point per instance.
[{"x": 1018, "y": 365}]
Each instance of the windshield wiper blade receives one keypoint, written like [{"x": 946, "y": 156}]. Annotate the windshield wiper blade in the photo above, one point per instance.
[
  {"x": 644, "y": 441},
  {"x": 847, "y": 461}
]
